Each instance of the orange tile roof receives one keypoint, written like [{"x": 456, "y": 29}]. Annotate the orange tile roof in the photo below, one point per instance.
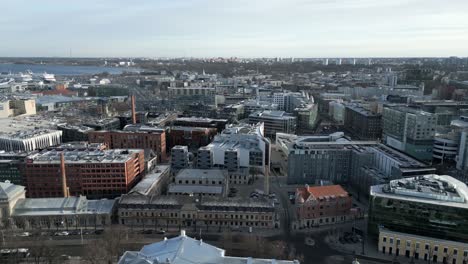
[{"x": 322, "y": 191}]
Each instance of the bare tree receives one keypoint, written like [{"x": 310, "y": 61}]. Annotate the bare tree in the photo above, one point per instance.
[{"x": 41, "y": 253}]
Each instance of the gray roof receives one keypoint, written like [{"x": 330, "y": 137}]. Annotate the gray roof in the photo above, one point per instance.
[
  {"x": 186, "y": 250},
  {"x": 9, "y": 190},
  {"x": 189, "y": 189},
  {"x": 198, "y": 174},
  {"x": 149, "y": 182},
  {"x": 62, "y": 206}
]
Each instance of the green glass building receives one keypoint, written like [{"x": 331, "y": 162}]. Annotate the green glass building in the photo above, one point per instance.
[{"x": 431, "y": 205}]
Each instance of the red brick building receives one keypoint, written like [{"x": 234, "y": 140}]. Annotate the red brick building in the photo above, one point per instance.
[
  {"x": 93, "y": 173},
  {"x": 154, "y": 139},
  {"x": 322, "y": 205},
  {"x": 192, "y": 137}
]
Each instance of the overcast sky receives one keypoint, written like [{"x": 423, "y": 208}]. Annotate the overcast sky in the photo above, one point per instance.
[{"x": 241, "y": 28}]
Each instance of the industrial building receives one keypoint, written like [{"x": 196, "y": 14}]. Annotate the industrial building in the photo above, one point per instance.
[
  {"x": 93, "y": 173},
  {"x": 138, "y": 137},
  {"x": 198, "y": 182}
]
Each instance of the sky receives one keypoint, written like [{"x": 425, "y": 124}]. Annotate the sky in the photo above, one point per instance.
[{"x": 234, "y": 28}]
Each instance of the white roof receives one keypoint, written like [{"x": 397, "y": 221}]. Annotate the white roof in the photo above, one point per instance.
[{"x": 186, "y": 250}]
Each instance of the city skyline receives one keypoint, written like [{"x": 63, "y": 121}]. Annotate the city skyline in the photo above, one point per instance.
[{"x": 208, "y": 28}]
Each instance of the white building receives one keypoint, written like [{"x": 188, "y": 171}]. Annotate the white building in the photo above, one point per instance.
[
  {"x": 30, "y": 140},
  {"x": 241, "y": 146},
  {"x": 186, "y": 250}
]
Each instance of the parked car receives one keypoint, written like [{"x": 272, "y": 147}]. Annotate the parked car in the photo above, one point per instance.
[
  {"x": 25, "y": 234},
  {"x": 161, "y": 232},
  {"x": 62, "y": 233}
]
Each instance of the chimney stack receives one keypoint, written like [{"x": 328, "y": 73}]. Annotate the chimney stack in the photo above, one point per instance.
[
  {"x": 133, "y": 110},
  {"x": 64, "y": 177}
]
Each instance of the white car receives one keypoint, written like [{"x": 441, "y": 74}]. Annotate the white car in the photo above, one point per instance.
[
  {"x": 24, "y": 234},
  {"x": 63, "y": 233}
]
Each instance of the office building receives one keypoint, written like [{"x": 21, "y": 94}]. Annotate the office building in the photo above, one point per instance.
[
  {"x": 301, "y": 105},
  {"x": 180, "y": 157},
  {"x": 192, "y": 137},
  {"x": 71, "y": 133},
  {"x": 14, "y": 107},
  {"x": 93, "y": 173},
  {"x": 11, "y": 165},
  {"x": 30, "y": 140},
  {"x": 362, "y": 123},
  {"x": 338, "y": 159},
  {"x": 186, "y": 250},
  {"x": 219, "y": 124},
  {"x": 322, "y": 205},
  {"x": 274, "y": 122},
  {"x": 409, "y": 130},
  {"x": 432, "y": 205},
  {"x": 138, "y": 137},
  {"x": 238, "y": 146}
]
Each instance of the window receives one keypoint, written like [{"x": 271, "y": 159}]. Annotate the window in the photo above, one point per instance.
[
  {"x": 384, "y": 239},
  {"x": 445, "y": 250},
  {"x": 436, "y": 248},
  {"x": 391, "y": 240},
  {"x": 408, "y": 243},
  {"x": 455, "y": 251},
  {"x": 398, "y": 242},
  {"x": 426, "y": 247}
]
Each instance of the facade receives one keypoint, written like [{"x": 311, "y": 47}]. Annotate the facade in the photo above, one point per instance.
[
  {"x": 422, "y": 247},
  {"x": 274, "y": 122},
  {"x": 72, "y": 133},
  {"x": 148, "y": 138},
  {"x": 219, "y": 124},
  {"x": 193, "y": 137},
  {"x": 10, "y": 194},
  {"x": 30, "y": 140},
  {"x": 338, "y": 159},
  {"x": 11, "y": 165},
  {"x": 198, "y": 182},
  {"x": 186, "y": 250},
  {"x": 431, "y": 205},
  {"x": 409, "y": 130},
  {"x": 322, "y": 205},
  {"x": 62, "y": 213},
  {"x": 180, "y": 157},
  {"x": 209, "y": 213},
  {"x": 16, "y": 107},
  {"x": 93, "y": 173},
  {"x": 362, "y": 123},
  {"x": 238, "y": 146},
  {"x": 301, "y": 105}
]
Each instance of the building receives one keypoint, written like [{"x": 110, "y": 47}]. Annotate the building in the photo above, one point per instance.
[
  {"x": 193, "y": 137},
  {"x": 138, "y": 137},
  {"x": 93, "y": 173},
  {"x": 422, "y": 247},
  {"x": 198, "y": 182},
  {"x": 362, "y": 123},
  {"x": 219, "y": 124},
  {"x": 339, "y": 159},
  {"x": 72, "y": 133},
  {"x": 186, "y": 250},
  {"x": 104, "y": 124},
  {"x": 62, "y": 213},
  {"x": 210, "y": 212},
  {"x": 238, "y": 146},
  {"x": 11, "y": 165},
  {"x": 154, "y": 183},
  {"x": 9, "y": 196},
  {"x": 30, "y": 140},
  {"x": 409, "y": 130},
  {"x": 301, "y": 105},
  {"x": 432, "y": 206},
  {"x": 15, "y": 107},
  {"x": 322, "y": 205},
  {"x": 274, "y": 122},
  {"x": 180, "y": 157}
]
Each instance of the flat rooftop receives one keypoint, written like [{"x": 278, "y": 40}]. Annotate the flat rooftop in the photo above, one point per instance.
[
  {"x": 84, "y": 156},
  {"x": 149, "y": 182},
  {"x": 199, "y": 174},
  {"x": 431, "y": 189}
]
